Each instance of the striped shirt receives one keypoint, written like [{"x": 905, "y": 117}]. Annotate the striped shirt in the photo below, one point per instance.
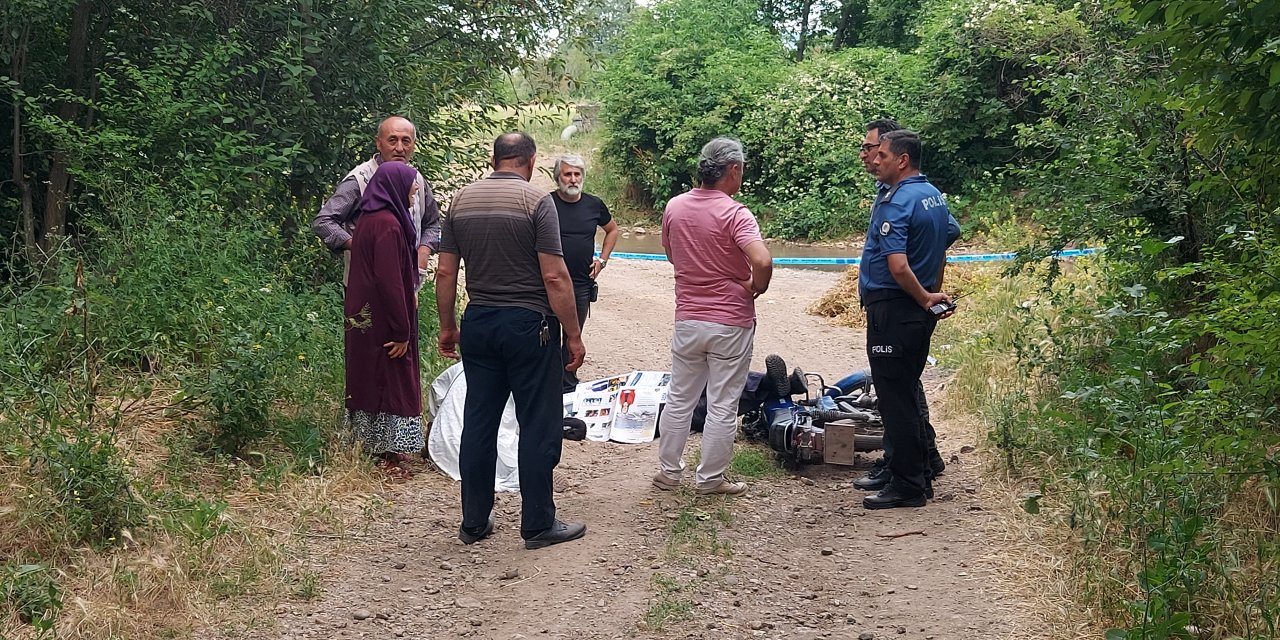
[{"x": 498, "y": 226}]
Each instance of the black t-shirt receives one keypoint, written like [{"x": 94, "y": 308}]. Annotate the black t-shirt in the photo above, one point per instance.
[{"x": 578, "y": 223}]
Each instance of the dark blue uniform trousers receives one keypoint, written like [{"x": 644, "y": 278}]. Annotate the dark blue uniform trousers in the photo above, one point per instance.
[
  {"x": 504, "y": 354},
  {"x": 930, "y": 435},
  {"x": 898, "y": 334}
]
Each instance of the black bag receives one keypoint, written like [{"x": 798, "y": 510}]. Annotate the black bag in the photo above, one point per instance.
[{"x": 574, "y": 429}]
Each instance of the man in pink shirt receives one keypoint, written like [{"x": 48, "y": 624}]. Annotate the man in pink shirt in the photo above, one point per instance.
[{"x": 721, "y": 267}]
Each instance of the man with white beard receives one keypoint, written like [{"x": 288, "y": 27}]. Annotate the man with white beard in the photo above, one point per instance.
[{"x": 580, "y": 215}]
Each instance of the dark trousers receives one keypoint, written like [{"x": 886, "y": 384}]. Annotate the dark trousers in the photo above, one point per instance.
[
  {"x": 898, "y": 334},
  {"x": 929, "y": 434},
  {"x": 583, "y": 298},
  {"x": 503, "y": 354}
]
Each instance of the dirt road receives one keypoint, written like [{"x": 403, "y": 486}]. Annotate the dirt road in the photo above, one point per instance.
[{"x": 797, "y": 557}]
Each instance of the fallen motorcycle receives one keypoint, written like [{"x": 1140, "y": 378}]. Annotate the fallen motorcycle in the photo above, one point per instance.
[{"x": 829, "y": 424}]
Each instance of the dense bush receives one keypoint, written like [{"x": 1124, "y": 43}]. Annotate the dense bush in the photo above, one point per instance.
[
  {"x": 983, "y": 53},
  {"x": 1146, "y": 408},
  {"x": 806, "y": 133},
  {"x": 170, "y": 330},
  {"x": 685, "y": 72},
  {"x": 968, "y": 88}
]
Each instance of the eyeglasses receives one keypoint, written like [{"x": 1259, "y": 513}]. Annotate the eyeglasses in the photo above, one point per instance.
[{"x": 868, "y": 147}]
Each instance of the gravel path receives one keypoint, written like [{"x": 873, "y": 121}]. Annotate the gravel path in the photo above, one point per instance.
[{"x": 797, "y": 557}]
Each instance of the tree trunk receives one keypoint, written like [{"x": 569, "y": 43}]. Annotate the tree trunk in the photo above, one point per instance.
[
  {"x": 59, "y": 189},
  {"x": 804, "y": 30},
  {"x": 17, "y": 69},
  {"x": 842, "y": 35}
]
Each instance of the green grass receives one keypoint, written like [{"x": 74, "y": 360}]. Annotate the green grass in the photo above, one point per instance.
[
  {"x": 754, "y": 462},
  {"x": 697, "y": 530},
  {"x": 308, "y": 587},
  {"x": 668, "y": 605}
]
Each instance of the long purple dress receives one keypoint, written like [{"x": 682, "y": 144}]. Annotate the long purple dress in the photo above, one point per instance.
[{"x": 384, "y": 394}]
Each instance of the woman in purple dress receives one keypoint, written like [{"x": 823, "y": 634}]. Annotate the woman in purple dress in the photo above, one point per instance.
[{"x": 384, "y": 391}]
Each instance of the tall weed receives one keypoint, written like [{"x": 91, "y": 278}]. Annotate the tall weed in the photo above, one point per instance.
[{"x": 1155, "y": 451}]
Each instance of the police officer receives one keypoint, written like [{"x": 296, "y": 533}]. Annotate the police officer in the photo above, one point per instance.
[
  {"x": 879, "y": 476},
  {"x": 902, "y": 264}
]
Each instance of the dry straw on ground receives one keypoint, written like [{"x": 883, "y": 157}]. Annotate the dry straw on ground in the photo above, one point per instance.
[
  {"x": 840, "y": 303},
  {"x": 164, "y": 582}
]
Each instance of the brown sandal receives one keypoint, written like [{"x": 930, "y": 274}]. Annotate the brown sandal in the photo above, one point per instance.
[{"x": 392, "y": 464}]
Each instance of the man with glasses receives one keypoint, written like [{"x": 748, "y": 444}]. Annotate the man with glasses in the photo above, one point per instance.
[
  {"x": 879, "y": 476},
  {"x": 898, "y": 282}
]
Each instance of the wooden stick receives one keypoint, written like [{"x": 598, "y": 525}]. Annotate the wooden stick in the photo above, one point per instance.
[
  {"x": 899, "y": 535},
  {"x": 511, "y": 584}
]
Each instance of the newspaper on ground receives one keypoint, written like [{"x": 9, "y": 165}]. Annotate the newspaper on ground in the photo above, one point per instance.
[{"x": 622, "y": 408}]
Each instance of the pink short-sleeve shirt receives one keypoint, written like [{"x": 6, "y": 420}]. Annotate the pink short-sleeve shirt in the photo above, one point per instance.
[{"x": 704, "y": 232}]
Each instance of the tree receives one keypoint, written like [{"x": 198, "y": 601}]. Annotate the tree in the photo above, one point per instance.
[
  {"x": 269, "y": 100},
  {"x": 678, "y": 80}
]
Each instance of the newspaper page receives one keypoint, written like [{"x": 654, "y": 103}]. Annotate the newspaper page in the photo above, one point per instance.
[
  {"x": 595, "y": 405},
  {"x": 637, "y": 406}
]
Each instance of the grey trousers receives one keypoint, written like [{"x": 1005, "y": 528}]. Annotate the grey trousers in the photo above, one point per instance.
[{"x": 717, "y": 357}]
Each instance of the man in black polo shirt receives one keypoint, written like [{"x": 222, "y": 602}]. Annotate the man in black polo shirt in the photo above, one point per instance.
[
  {"x": 580, "y": 215},
  {"x": 508, "y": 234}
]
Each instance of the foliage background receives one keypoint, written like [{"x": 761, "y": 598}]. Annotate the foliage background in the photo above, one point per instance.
[
  {"x": 170, "y": 344},
  {"x": 1137, "y": 393}
]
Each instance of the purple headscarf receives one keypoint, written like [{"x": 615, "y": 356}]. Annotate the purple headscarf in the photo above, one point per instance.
[{"x": 388, "y": 190}]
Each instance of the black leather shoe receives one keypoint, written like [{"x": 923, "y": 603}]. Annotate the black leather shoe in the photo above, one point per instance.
[
  {"x": 936, "y": 463},
  {"x": 468, "y": 537},
  {"x": 559, "y": 532},
  {"x": 875, "y": 480},
  {"x": 892, "y": 497}
]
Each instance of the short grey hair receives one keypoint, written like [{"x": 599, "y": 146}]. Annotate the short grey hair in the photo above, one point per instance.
[
  {"x": 572, "y": 160},
  {"x": 716, "y": 158}
]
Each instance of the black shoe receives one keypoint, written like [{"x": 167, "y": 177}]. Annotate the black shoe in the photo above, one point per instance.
[
  {"x": 892, "y": 497},
  {"x": 875, "y": 480},
  {"x": 468, "y": 537},
  {"x": 936, "y": 464},
  {"x": 559, "y": 532},
  {"x": 797, "y": 382},
  {"x": 775, "y": 371}
]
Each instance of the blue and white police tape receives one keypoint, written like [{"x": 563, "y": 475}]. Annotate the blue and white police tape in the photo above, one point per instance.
[{"x": 972, "y": 257}]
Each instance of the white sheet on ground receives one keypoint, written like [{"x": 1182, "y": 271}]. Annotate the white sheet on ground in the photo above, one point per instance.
[{"x": 445, "y": 403}]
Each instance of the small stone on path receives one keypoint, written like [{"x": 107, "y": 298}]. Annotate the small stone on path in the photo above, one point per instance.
[
  {"x": 467, "y": 603},
  {"x": 361, "y": 614},
  {"x": 826, "y": 551}
]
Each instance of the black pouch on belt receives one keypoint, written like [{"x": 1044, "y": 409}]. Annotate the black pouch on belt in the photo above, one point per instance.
[{"x": 595, "y": 291}]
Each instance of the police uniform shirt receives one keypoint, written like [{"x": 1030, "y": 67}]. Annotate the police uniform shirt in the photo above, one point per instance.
[{"x": 911, "y": 218}]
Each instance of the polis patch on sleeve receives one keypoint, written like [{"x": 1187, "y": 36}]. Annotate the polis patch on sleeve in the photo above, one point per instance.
[{"x": 884, "y": 228}]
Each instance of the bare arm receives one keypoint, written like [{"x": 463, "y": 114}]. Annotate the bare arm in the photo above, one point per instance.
[
  {"x": 761, "y": 267},
  {"x": 611, "y": 234},
  {"x": 446, "y": 302}
]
